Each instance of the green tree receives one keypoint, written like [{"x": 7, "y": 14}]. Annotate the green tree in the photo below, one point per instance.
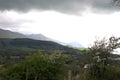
[
  {"x": 39, "y": 66},
  {"x": 100, "y": 52}
]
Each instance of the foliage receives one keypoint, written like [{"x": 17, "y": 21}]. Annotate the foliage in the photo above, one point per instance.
[
  {"x": 30, "y": 44},
  {"x": 20, "y": 48},
  {"x": 59, "y": 65},
  {"x": 100, "y": 52},
  {"x": 37, "y": 67}
]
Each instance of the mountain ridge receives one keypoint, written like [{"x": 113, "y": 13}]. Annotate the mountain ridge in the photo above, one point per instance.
[
  {"x": 75, "y": 44},
  {"x": 13, "y": 35}
]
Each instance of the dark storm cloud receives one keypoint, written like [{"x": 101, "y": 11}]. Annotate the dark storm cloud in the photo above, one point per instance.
[
  {"x": 104, "y": 6},
  {"x": 68, "y": 6},
  {"x": 57, "y": 5}
]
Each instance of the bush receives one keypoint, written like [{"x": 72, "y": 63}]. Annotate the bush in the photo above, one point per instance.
[{"x": 37, "y": 67}]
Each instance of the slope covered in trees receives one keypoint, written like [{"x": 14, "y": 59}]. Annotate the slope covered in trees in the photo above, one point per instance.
[
  {"x": 20, "y": 48},
  {"x": 32, "y": 44}
]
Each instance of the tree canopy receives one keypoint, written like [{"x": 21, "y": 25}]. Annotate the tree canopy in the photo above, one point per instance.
[
  {"x": 37, "y": 67},
  {"x": 100, "y": 52}
]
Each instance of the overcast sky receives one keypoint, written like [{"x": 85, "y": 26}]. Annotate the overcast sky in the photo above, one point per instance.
[{"x": 63, "y": 20}]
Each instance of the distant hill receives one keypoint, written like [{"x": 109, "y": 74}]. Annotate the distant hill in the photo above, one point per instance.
[
  {"x": 10, "y": 34},
  {"x": 38, "y": 37},
  {"x": 13, "y": 35},
  {"x": 16, "y": 46},
  {"x": 20, "y": 48},
  {"x": 18, "y": 43},
  {"x": 74, "y": 44}
]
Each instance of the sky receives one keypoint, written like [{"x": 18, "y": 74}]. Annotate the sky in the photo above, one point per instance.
[{"x": 62, "y": 20}]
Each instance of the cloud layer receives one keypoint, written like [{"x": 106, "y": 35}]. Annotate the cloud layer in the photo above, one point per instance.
[{"x": 67, "y": 6}]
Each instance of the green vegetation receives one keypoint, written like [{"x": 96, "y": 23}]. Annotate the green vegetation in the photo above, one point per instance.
[
  {"x": 18, "y": 49},
  {"x": 100, "y": 66},
  {"x": 24, "y": 43},
  {"x": 37, "y": 67},
  {"x": 23, "y": 62}
]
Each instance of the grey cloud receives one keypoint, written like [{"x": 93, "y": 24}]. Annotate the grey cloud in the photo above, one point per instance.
[
  {"x": 104, "y": 6},
  {"x": 7, "y": 22},
  {"x": 57, "y": 5},
  {"x": 67, "y": 6}
]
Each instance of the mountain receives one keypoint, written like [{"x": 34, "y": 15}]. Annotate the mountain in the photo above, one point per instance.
[
  {"x": 16, "y": 47},
  {"x": 10, "y": 34},
  {"x": 13, "y": 35},
  {"x": 20, "y": 48},
  {"x": 74, "y": 44},
  {"x": 38, "y": 37}
]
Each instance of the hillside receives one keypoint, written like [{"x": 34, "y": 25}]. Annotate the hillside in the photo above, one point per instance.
[
  {"x": 10, "y": 34},
  {"x": 13, "y": 35},
  {"x": 38, "y": 37},
  {"x": 75, "y": 44},
  {"x": 6, "y": 43}
]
